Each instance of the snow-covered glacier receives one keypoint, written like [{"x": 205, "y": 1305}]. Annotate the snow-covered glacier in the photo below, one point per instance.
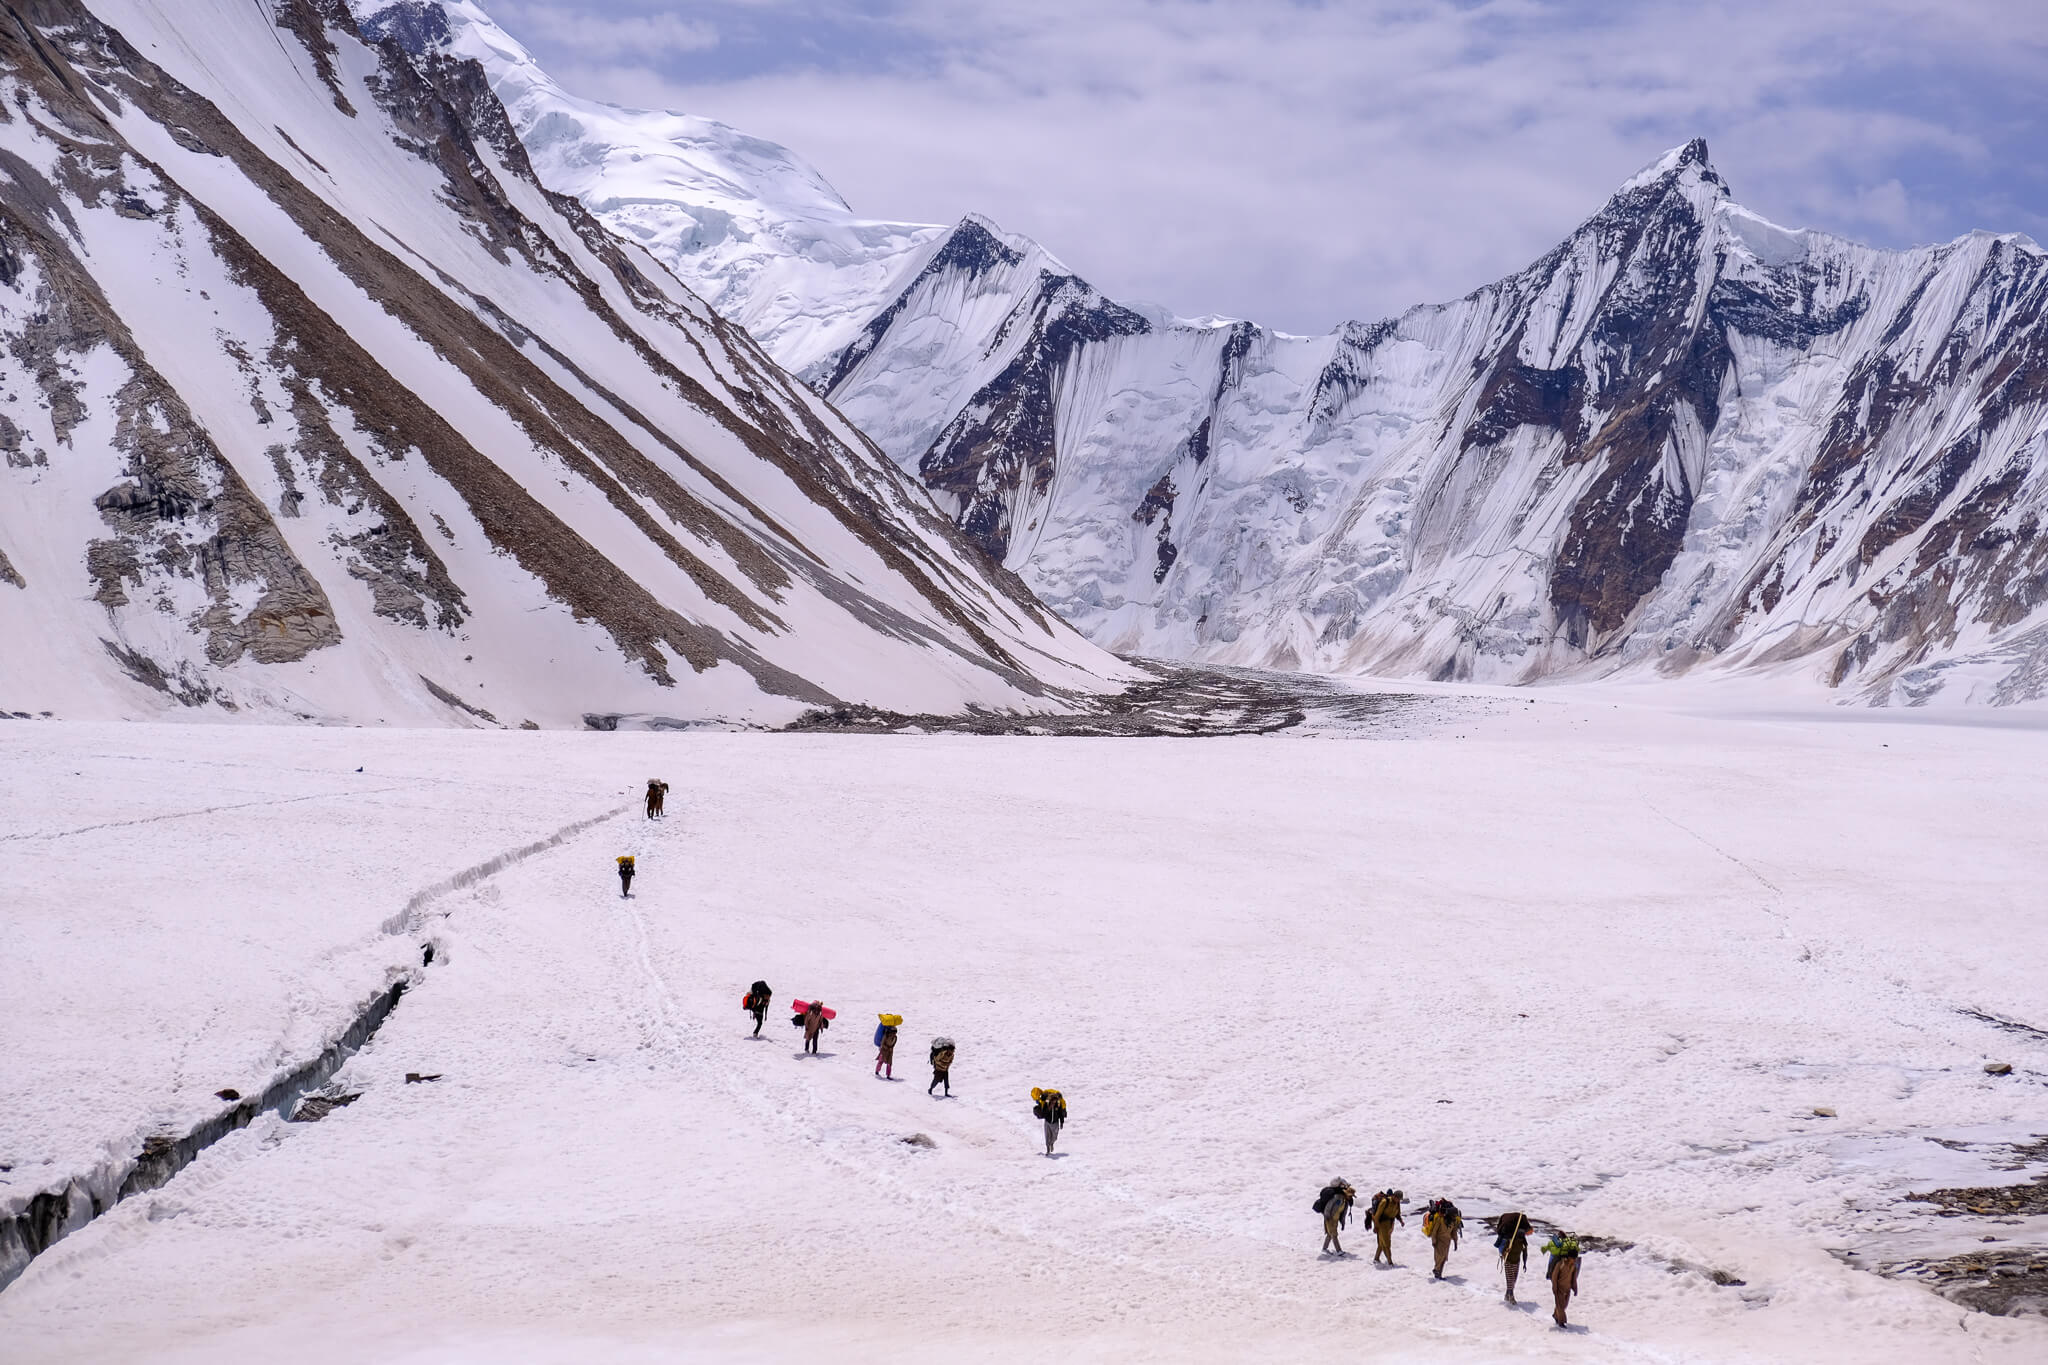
[
  {"x": 1685, "y": 438},
  {"x": 315, "y": 402}
]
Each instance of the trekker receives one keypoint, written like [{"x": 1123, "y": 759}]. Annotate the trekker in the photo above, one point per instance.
[
  {"x": 942, "y": 1066},
  {"x": 814, "y": 1019},
  {"x": 656, "y": 790},
  {"x": 1562, "y": 1272},
  {"x": 1334, "y": 1203},
  {"x": 625, "y": 876},
  {"x": 1511, "y": 1240},
  {"x": 1386, "y": 1211},
  {"x": 1051, "y": 1106},
  {"x": 756, "y": 1003},
  {"x": 885, "y": 1044},
  {"x": 1442, "y": 1224}
]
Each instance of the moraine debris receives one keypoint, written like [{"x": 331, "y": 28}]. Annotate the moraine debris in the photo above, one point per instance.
[{"x": 2005, "y": 1282}]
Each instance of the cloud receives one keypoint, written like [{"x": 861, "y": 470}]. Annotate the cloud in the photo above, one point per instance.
[
  {"x": 1305, "y": 163},
  {"x": 1885, "y": 204},
  {"x": 584, "y": 35}
]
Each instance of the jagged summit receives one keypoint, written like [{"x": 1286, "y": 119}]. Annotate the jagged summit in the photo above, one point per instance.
[
  {"x": 1684, "y": 174},
  {"x": 1691, "y": 157}
]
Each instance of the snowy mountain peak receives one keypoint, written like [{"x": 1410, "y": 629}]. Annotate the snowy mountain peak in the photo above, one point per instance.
[
  {"x": 1685, "y": 437},
  {"x": 747, "y": 223},
  {"x": 975, "y": 247},
  {"x": 1688, "y": 163}
]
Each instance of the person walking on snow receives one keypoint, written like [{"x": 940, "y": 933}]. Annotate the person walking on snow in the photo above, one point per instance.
[
  {"x": 885, "y": 1044},
  {"x": 625, "y": 876},
  {"x": 1385, "y": 1212},
  {"x": 656, "y": 790},
  {"x": 1511, "y": 1240},
  {"x": 756, "y": 1004},
  {"x": 814, "y": 1021},
  {"x": 942, "y": 1066},
  {"x": 1443, "y": 1225},
  {"x": 1562, "y": 1272},
  {"x": 1051, "y": 1106}
]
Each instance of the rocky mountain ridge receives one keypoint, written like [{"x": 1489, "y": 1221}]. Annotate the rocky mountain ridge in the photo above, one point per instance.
[
  {"x": 1685, "y": 438},
  {"x": 315, "y": 402}
]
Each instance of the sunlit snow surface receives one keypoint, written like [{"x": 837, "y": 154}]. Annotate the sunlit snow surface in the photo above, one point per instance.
[{"x": 1633, "y": 949}]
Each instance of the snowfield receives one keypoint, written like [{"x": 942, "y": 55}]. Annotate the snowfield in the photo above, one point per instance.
[{"x": 1570, "y": 954}]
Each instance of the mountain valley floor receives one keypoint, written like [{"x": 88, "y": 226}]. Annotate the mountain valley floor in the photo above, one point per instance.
[{"x": 1717, "y": 984}]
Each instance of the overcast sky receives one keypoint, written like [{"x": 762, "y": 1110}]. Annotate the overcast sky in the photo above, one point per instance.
[{"x": 1300, "y": 164}]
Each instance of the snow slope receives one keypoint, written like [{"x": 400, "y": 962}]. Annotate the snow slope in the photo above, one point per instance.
[
  {"x": 1685, "y": 438},
  {"x": 316, "y": 403},
  {"x": 1599, "y": 963}
]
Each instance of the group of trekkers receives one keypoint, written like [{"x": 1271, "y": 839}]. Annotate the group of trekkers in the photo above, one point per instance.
[
  {"x": 1443, "y": 1225},
  {"x": 657, "y": 794},
  {"x": 814, "y": 1017}
]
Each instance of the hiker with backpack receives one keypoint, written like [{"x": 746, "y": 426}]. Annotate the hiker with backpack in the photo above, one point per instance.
[
  {"x": 1385, "y": 1211},
  {"x": 1442, "y": 1224},
  {"x": 656, "y": 791},
  {"x": 1511, "y": 1240},
  {"x": 625, "y": 876},
  {"x": 813, "y": 1018},
  {"x": 942, "y": 1066},
  {"x": 1334, "y": 1203},
  {"x": 1562, "y": 1272},
  {"x": 1051, "y": 1106},
  {"x": 756, "y": 1003},
  {"x": 885, "y": 1045}
]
